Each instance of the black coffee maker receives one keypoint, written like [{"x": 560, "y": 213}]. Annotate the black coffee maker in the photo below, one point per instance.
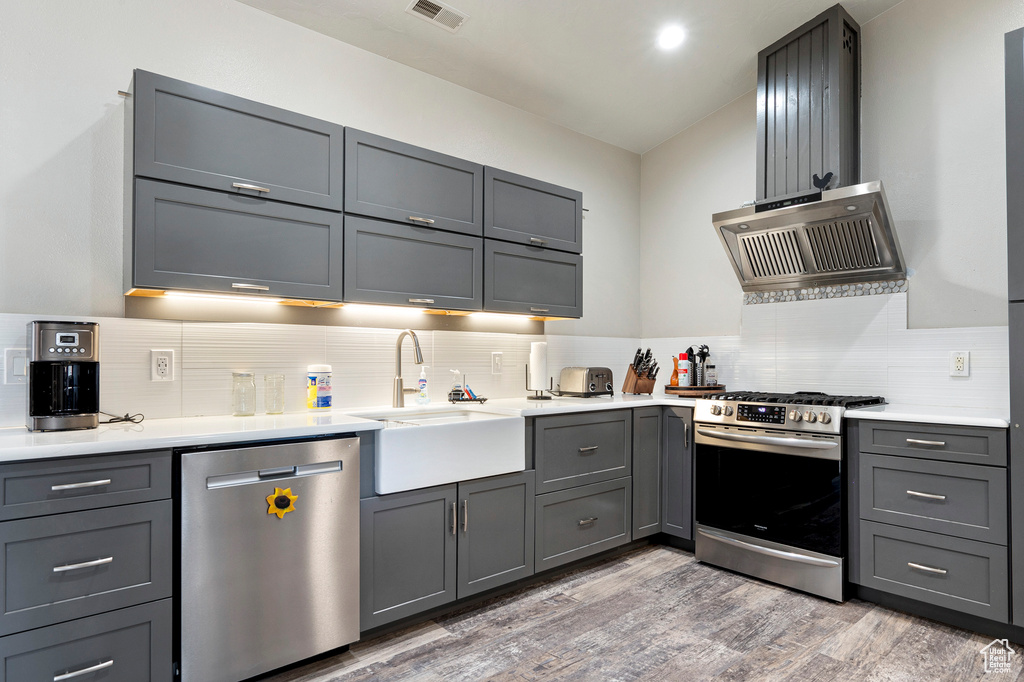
[{"x": 63, "y": 376}]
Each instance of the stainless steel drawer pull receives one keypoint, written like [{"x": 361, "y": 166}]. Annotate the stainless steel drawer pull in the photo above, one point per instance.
[
  {"x": 587, "y": 450},
  {"x": 428, "y": 221},
  {"x": 421, "y": 300},
  {"x": 84, "y": 564},
  {"x": 926, "y": 443},
  {"x": 929, "y": 496},
  {"x": 465, "y": 516},
  {"x": 253, "y": 287},
  {"x": 539, "y": 310},
  {"x": 538, "y": 242},
  {"x": 927, "y": 569},
  {"x": 455, "y": 518},
  {"x": 587, "y": 522},
  {"x": 255, "y": 188},
  {"x": 76, "y": 486},
  {"x": 84, "y": 671}
]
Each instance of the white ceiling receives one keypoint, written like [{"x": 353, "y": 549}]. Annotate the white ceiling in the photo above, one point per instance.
[{"x": 589, "y": 65}]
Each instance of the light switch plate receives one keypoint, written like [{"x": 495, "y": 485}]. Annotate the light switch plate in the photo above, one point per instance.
[
  {"x": 496, "y": 362},
  {"x": 15, "y": 365}
]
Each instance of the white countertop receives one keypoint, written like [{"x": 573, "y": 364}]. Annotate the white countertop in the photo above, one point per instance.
[{"x": 953, "y": 416}]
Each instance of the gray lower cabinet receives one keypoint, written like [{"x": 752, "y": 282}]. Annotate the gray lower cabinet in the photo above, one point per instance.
[
  {"x": 647, "y": 471},
  {"x": 529, "y": 279},
  {"x": 188, "y": 238},
  {"x": 193, "y": 135},
  {"x": 582, "y": 521},
  {"x": 396, "y": 181},
  {"x": 528, "y": 211},
  {"x": 576, "y": 449},
  {"x": 971, "y": 444},
  {"x": 424, "y": 548},
  {"x": 677, "y": 473},
  {"x": 129, "y": 645},
  {"x": 408, "y": 265}
]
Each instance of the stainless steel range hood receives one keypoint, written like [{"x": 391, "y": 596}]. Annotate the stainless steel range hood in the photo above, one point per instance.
[{"x": 839, "y": 236}]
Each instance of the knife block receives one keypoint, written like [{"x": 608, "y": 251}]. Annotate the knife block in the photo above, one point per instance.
[{"x": 636, "y": 385}]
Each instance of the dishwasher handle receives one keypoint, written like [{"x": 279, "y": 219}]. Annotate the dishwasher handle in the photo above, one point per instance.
[
  {"x": 272, "y": 474},
  {"x": 276, "y": 472}
]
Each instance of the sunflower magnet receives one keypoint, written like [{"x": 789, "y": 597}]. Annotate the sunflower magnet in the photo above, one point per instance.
[{"x": 281, "y": 502}]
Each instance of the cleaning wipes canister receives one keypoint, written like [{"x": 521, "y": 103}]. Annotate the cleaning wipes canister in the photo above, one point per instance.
[{"x": 318, "y": 387}]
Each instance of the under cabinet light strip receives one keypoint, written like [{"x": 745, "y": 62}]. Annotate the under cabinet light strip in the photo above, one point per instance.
[{"x": 222, "y": 297}]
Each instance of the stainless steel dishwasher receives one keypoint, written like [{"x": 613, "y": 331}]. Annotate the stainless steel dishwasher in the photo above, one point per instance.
[{"x": 269, "y": 556}]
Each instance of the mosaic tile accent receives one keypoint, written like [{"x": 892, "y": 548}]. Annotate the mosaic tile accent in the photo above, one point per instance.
[{"x": 835, "y": 291}]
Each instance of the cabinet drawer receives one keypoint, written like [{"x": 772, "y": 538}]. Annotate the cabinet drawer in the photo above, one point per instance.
[
  {"x": 397, "y": 181},
  {"x": 67, "y": 566},
  {"x": 528, "y": 211},
  {"x": 575, "y": 449},
  {"x": 197, "y": 136},
  {"x": 529, "y": 279},
  {"x": 405, "y": 265},
  {"x": 579, "y": 522},
  {"x": 965, "y": 500},
  {"x": 963, "y": 575},
  {"x": 190, "y": 238},
  {"x": 130, "y": 645},
  {"x": 51, "y": 487},
  {"x": 971, "y": 444}
]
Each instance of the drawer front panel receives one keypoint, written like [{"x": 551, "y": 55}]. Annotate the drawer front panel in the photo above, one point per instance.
[
  {"x": 529, "y": 211},
  {"x": 963, "y": 575},
  {"x": 39, "y": 488},
  {"x": 572, "y": 524},
  {"x": 577, "y": 449},
  {"x": 130, "y": 645},
  {"x": 956, "y": 499},
  {"x": 970, "y": 444},
  {"x": 71, "y": 565}
]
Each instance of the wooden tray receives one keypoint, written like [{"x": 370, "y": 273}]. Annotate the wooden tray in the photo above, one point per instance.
[{"x": 693, "y": 391}]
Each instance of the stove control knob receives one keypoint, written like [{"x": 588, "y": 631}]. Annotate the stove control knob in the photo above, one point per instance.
[
  {"x": 795, "y": 416},
  {"x": 810, "y": 417},
  {"x": 728, "y": 410},
  {"x": 716, "y": 409},
  {"x": 825, "y": 418},
  {"x": 608, "y": 386}
]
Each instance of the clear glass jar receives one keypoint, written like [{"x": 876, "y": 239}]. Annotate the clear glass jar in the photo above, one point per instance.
[
  {"x": 243, "y": 394},
  {"x": 273, "y": 393}
]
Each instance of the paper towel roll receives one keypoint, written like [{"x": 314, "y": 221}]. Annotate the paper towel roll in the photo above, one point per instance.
[{"x": 538, "y": 366}]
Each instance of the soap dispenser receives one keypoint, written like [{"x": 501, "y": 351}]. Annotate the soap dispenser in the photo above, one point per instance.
[{"x": 422, "y": 397}]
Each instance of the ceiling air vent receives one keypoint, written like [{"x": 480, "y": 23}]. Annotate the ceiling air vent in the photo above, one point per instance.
[{"x": 439, "y": 14}]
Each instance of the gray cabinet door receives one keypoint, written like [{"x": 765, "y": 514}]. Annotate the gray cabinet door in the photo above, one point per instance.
[
  {"x": 496, "y": 532},
  {"x": 197, "y": 136},
  {"x": 188, "y": 238},
  {"x": 407, "y": 554},
  {"x": 582, "y": 521},
  {"x": 970, "y": 444},
  {"x": 1014, "y": 47},
  {"x": 528, "y": 211},
  {"x": 646, "y": 471},
  {"x": 529, "y": 279},
  {"x": 1016, "y": 469},
  {"x": 387, "y": 263},
  {"x": 575, "y": 449},
  {"x": 397, "y": 181},
  {"x": 677, "y": 476}
]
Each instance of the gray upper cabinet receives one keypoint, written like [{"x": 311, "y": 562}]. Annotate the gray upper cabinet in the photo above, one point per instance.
[
  {"x": 677, "y": 474},
  {"x": 397, "y": 181},
  {"x": 188, "y": 238},
  {"x": 1015, "y": 161},
  {"x": 527, "y": 211},
  {"x": 529, "y": 279},
  {"x": 197, "y": 136},
  {"x": 400, "y": 265},
  {"x": 646, "y": 471}
]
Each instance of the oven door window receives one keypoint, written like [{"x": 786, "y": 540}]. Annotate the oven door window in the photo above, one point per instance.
[{"x": 796, "y": 501}]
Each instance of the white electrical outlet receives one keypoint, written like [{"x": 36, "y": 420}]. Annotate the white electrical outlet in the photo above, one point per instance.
[
  {"x": 161, "y": 365},
  {"x": 496, "y": 362},
  {"x": 15, "y": 365},
  {"x": 960, "y": 363}
]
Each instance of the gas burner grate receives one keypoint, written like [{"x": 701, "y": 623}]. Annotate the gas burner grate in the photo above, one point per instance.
[{"x": 800, "y": 398}]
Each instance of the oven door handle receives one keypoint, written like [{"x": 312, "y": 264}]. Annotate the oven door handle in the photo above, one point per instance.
[
  {"x": 771, "y": 440},
  {"x": 767, "y": 551}
]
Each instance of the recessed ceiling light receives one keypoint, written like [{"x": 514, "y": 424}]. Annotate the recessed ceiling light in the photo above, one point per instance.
[{"x": 671, "y": 37}]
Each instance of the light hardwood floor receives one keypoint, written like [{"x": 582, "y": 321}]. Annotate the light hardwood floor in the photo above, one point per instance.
[{"x": 658, "y": 614}]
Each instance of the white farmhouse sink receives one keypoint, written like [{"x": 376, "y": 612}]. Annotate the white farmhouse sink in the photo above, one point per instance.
[{"x": 418, "y": 449}]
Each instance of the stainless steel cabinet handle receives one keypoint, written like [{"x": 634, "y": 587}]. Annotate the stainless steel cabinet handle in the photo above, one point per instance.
[
  {"x": 254, "y": 287},
  {"x": 930, "y": 496},
  {"x": 771, "y": 440},
  {"x": 255, "y": 188},
  {"x": 455, "y": 518},
  {"x": 686, "y": 436},
  {"x": 428, "y": 221},
  {"x": 927, "y": 569},
  {"x": 539, "y": 310},
  {"x": 465, "y": 516},
  {"x": 587, "y": 522},
  {"x": 75, "y": 486},
  {"x": 84, "y": 564},
  {"x": 587, "y": 450},
  {"x": 538, "y": 242},
  {"x": 84, "y": 671},
  {"x": 421, "y": 300},
  {"x": 926, "y": 443}
]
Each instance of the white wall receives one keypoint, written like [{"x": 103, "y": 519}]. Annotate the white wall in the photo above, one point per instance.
[
  {"x": 932, "y": 131},
  {"x": 61, "y": 140}
]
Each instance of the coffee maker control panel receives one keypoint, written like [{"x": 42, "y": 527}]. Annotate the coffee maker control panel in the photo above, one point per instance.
[{"x": 54, "y": 341}]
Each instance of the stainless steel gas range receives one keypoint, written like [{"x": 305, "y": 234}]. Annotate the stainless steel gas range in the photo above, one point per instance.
[{"x": 769, "y": 486}]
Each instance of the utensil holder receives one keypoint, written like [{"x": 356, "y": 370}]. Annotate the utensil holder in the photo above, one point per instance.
[{"x": 635, "y": 384}]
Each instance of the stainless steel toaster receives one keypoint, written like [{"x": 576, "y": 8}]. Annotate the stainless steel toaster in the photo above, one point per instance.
[{"x": 584, "y": 382}]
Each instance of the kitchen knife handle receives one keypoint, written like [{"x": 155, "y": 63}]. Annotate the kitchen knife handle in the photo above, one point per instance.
[
  {"x": 465, "y": 516},
  {"x": 455, "y": 518}
]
